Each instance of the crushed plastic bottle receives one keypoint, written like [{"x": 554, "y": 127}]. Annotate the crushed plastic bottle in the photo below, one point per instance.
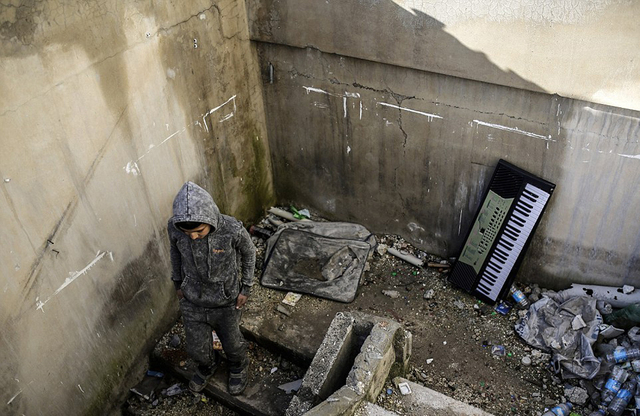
[
  {"x": 622, "y": 354},
  {"x": 613, "y": 384},
  {"x": 562, "y": 409},
  {"x": 622, "y": 399},
  {"x": 519, "y": 297}
]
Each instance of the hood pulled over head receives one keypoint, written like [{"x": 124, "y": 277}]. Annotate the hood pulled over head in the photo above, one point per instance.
[{"x": 194, "y": 204}]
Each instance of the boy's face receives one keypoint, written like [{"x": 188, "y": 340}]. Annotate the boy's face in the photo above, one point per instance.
[{"x": 197, "y": 233}]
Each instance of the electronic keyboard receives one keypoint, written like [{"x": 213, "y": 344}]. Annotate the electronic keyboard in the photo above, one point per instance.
[{"x": 502, "y": 230}]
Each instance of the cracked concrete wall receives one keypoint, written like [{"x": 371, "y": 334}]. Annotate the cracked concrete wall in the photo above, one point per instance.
[
  {"x": 370, "y": 124},
  {"x": 106, "y": 108}
]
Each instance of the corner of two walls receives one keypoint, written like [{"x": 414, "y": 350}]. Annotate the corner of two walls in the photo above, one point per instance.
[
  {"x": 394, "y": 115},
  {"x": 105, "y": 110}
]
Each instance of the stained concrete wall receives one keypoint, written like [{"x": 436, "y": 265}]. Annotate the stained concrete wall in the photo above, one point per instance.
[
  {"x": 394, "y": 115},
  {"x": 106, "y": 108}
]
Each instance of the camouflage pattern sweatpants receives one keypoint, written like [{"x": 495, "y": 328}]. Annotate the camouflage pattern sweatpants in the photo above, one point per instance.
[{"x": 198, "y": 324}]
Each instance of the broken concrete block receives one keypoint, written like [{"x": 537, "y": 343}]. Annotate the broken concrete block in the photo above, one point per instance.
[{"x": 382, "y": 344}]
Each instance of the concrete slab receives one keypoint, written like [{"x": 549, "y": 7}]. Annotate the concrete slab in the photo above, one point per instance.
[
  {"x": 261, "y": 398},
  {"x": 298, "y": 337},
  {"x": 426, "y": 402},
  {"x": 370, "y": 409}
]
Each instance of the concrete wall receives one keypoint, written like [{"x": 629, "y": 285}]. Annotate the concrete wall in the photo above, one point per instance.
[
  {"x": 589, "y": 49},
  {"x": 383, "y": 114},
  {"x": 106, "y": 108}
]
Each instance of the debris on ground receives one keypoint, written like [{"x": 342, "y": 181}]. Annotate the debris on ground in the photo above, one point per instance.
[{"x": 453, "y": 346}]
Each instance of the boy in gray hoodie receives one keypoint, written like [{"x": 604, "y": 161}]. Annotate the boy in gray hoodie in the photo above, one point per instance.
[{"x": 213, "y": 260}]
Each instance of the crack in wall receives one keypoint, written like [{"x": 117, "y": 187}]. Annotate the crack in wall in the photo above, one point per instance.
[
  {"x": 167, "y": 29},
  {"x": 37, "y": 263}
]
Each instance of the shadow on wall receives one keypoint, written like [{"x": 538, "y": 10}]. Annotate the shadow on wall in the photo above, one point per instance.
[
  {"x": 380, "y": 31},
  {"x": 391, "y": 167}
]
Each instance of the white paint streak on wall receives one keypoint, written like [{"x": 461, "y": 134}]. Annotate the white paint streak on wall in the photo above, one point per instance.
[
  {"x": 72, "y": 277},
  {"x": 460, "y": 223},
  {"x": 213, "y": 110},
  {"x": 513, "y": 130},
  {"x": 422, "y": 113},
  {"x": 344, "y": 97},
  {"x": 225, "y": 118},
  {"x": 80, "y": 387},
  {"x": 152, "y": 146},
  {"x": 629, "y": 156},
  {"x": 132, "y": 166},
  {"x": 348, "y": 149},
  {"x": 319, "y": 91},
  {"x": 14, "y": 397}
]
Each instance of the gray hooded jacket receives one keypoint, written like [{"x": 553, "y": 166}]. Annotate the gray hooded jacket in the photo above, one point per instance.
[{"x": 211, "y": 271}]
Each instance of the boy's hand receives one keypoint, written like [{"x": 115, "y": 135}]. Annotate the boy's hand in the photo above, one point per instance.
[{"x": 240, "y": 301}]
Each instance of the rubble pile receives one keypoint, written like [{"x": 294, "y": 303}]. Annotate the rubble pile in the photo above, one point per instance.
[{"x": 599, "y": 362}]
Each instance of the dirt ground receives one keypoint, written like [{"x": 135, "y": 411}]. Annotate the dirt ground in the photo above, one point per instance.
[{"x": 453, "y": 338}]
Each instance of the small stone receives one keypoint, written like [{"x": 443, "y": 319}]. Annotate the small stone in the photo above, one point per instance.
[
  {"x": 459, "y": 304},
  {"x": 381, "y": 249},
  {"x": 578, "y": 323},
  {"x": 576, "y": 395},
  {"x": 429, "y": 360},
  {"x": 393, "y": 294},
  {"x": 626, "y": 289},
  {"x": 174, "y": 342},
  {"x": 429, "y": 294}
]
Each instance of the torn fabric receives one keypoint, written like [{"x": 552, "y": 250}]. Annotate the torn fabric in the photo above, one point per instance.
[{"x": 325, "y": 259}]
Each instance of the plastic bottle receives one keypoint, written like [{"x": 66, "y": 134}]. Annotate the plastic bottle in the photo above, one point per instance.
[
  {"x": 613, "y": 384},
  {"x": 621, "y": 354},
  {"x": 562, "y": 409},
  {"x": 622, "y": 399},
  {"x": 519, "y": 297}
]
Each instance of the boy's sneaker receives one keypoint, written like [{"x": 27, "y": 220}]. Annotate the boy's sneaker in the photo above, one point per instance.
[
  {"x": 237, "y": 381},
  {"x": 200, "y": 378}
]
